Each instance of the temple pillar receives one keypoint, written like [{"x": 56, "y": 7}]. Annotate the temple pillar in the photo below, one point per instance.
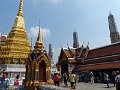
[
  {"x": 69, "y": 69},
  {"x": 20, "y": 75},
  {"x": 36, "y": 74}
]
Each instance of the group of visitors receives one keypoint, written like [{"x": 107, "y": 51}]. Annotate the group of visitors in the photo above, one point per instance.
[
  {"x": 115, "y": 79},
  {"x": 5, "y": 82},
  {"x": 57, "y": 78},
  {"x": 72, "y": 78}
]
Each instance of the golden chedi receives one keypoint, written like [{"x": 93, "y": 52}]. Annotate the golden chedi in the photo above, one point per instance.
[{"x": 17, "y": 46}]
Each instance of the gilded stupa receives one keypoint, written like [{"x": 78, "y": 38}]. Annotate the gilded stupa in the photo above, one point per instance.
[{"x": 17, "y": 46}]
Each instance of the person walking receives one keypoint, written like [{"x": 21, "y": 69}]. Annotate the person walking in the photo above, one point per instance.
[
  {"x": 56, "y": 79},
  {"x": 72, "y": 80},
  {"x": 106, "y": 78},
  {"x": 113, "y": 77},
  {"x": 91, "y": 77},
  {"x": 16, "y": 81},
  {"x": 65, "y": 78},
  {"x": 4, "y": 82},
  {"x": 117, "y": 80}
]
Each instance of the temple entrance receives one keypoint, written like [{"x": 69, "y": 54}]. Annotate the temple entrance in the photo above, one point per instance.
[
  {"x": 42, "y": 71},
  {"x": 64, "y": 68}
]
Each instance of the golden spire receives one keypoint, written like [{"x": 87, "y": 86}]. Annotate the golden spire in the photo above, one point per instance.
[
  {"x": 19, "y": 21},
  {"x": 17, "y": 42},
  {"x": 39, "y": 43},
  {"x": 39, "y": 39},
  {"x": 20, "y": 11}
]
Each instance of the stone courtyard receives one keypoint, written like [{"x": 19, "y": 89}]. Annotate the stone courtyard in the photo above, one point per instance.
[{"x": 80, "y": 86}]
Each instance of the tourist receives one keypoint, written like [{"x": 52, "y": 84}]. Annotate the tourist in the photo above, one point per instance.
[
  {"x": 76, "y": 78},
  {"x": 16, "y": 81},
  {"x": 4, "y": 82},
  {"x": 117, "y": 80},
  {"x": 106, "y": 78},
  {"x": 24, "y": 82},
  {"x": 65, "y": 78},
  {"x": 72, "y": 80},
  {"x": 113, "y": 77},
  {"x": 91, "y": 77},
  {"x": 56, "y": 79}
]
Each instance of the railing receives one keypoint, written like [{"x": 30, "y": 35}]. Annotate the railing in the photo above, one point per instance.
[{"x": 11, "y": 66}]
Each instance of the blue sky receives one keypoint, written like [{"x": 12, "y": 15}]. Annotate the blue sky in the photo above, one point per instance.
[{"x": 59, "y": 19}]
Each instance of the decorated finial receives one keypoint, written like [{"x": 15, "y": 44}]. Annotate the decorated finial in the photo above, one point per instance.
[
  {"x": 39, "y": 43},
  {"x": 31, "y": 41},
  {"x": 39, "y": 36},
  {"x": 20, "y": 12},
  {"x": 39, "y": 29}
]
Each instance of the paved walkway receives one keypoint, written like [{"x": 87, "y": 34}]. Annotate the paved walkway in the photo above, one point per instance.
[
  {"x": 80, "y": 86},
  {"x": 83, "y": 86},
  {"x": 88, "y": 86}
]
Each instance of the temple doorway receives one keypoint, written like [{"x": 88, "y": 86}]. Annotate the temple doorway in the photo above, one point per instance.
[
  {"x": 64, "y": 68},
  {"x": 42, "y": 71}
]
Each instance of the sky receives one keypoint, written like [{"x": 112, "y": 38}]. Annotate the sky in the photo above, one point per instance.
[{"x": 60, "y": 18}]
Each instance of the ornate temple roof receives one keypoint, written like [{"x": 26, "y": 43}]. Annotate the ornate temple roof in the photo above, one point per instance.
[
  {"x": 39, "y": 44},
  {"x": 105, "y": 50},
  {"x": 38, "y": 49},
  {"x": 73, "y": 55},
  {"x": 98, "y": 58},
  {"x": 17, "y": 44},
  {"x": 98, "y": 66}
]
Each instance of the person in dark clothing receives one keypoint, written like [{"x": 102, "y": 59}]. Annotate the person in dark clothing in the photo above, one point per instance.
[
  {"x": 113, "y": 77},
  {"x": 65, "y": 78},
  {"x": 16, "y": 82},
  {"x": 117, "y": 80},
  {"x": 4, "y": 82},
  {"x": 106, "y": 78}
]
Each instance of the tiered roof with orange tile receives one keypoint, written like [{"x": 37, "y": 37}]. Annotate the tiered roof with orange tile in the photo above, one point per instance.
[{"x": 105, "y": 57}]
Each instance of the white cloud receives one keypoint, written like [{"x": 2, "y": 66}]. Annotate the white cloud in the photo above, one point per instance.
[{"x": 45, "y": 32}]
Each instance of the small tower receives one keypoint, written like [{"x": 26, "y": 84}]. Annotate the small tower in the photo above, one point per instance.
[
  {"x": 39, "y": 44},
  {"x": 75, "y": 40},
  {"x": 50, "y": 53},
  {"x": 114, "y": 34},
  {"x": 38, "y": 67}
]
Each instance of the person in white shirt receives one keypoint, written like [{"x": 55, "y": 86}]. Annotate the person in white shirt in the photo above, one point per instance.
[
  {"x": 106, "y": 78},
  {"x": 91, "y": 77}
]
